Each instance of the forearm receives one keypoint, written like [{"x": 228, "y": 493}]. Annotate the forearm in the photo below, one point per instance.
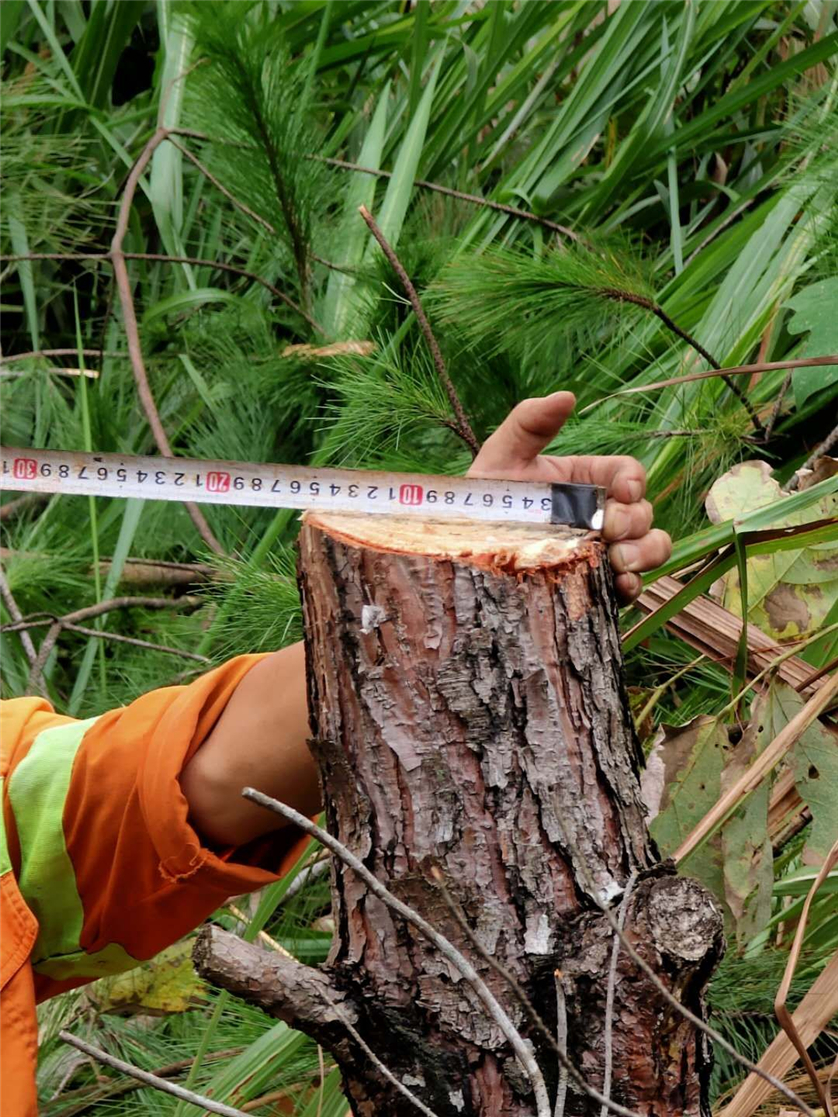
[{"x": 259, "y": 741}]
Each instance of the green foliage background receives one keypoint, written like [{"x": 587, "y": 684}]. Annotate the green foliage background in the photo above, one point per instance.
[{"x": 690, "y": 147}]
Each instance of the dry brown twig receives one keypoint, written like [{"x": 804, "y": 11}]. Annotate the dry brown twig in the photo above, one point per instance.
[
  {"x": 673, "y": 327},
  {"x": 148, "y": 1079},
  {"x": 706, "y": 374},
  {"x": 472, "y": 199},
  {"x": 36, "y": 680},
  {"x": 780, "y": 1007},
  {"x": 129, "y": 317},
  {"x": 16, "y": 615},
  {"x": 463, "y": 427},
  {"x": 828, "y": 444},
  {"x": 449, "y": 951},
  {"x": 163, "y": 258}
]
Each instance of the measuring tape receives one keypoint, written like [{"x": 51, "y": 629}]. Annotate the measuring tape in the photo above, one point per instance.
[{"x": 294, "y": 486}]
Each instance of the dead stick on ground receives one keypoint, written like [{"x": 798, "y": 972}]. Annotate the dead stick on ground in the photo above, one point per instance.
[
  {"x": 821, "y": 451},
  {"x": 151, "y": 1079},
  {"x": 445, "y": 947},
  {"x": 135, "y": 641},
  {"x": 36, "y": 681},
  {"x": 16, "y": 615},
  {"x": 463, "y": 426},
  {"x": 12, "y": 357}
]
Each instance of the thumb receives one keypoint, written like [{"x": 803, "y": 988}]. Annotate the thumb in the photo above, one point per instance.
[{"x": 524, "y": 433}]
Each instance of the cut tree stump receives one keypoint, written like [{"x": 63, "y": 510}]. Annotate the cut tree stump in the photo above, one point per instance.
[{"x": 469, "y": 718}]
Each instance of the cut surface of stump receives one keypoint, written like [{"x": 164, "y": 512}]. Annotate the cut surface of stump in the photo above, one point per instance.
[{"x": 469, "y": 719}]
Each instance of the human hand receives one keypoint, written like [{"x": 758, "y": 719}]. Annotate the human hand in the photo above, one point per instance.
[{"x": 513, "y": 453}]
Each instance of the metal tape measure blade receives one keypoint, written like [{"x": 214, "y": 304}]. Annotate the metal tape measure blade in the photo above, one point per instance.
[{"x": 288, "y": 486}]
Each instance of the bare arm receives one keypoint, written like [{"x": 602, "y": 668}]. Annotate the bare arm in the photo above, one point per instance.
[{"x": 260, "y": 739}]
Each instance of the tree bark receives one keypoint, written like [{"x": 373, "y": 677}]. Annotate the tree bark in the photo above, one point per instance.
[{"x": 469, "y": 719}]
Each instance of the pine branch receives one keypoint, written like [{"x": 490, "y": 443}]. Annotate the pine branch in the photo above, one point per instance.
[
  {"x": 472, "y": 199},
  {"x": 160, "y": 257},
  {"x": 673, "y": 327},
  {"x": 463, "y": 428}
]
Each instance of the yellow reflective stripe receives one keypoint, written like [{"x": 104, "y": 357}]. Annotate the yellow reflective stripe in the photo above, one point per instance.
[
  {"x": 5, "y": 860},
  {"x": 38, "y": 791}
]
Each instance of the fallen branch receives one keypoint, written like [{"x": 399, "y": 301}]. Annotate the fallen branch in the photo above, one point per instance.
[
  {"x": 463, "y": 426},
  {"x": 35, "y": 680},
  {"x": 770, "y": 756},
  {"x": 148, "y": 1079},
  {"x": 781, "y": 1008},
  {"x": 11, "y": 358},
  {"x": 102, "y": 634},
  {"x": 301, "y": 995},
  {"x": 819, "y": 452}
]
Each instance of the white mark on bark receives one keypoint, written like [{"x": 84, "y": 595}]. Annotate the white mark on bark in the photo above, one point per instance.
[
  {"x": 538, "y": 937},
  {"x": 610, "y": 892},
  {"x": 371, "y": 617}
]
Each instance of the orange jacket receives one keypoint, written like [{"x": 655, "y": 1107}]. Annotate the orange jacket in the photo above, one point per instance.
[{"x": 99, "y": 866}]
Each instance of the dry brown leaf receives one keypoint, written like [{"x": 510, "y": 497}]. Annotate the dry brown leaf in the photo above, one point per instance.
[
  {"x": 714, "y": 631},
  {"x": 336, "y": 349}
]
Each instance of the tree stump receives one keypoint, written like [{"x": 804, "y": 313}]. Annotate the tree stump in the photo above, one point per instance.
[{"x": 469, "y": 719}]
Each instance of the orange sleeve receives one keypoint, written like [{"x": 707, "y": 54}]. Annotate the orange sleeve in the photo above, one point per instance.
[{"x": 141, "y": 876}]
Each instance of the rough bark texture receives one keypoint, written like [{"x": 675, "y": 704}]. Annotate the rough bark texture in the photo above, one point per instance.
[{"x": 468, "y": 714}]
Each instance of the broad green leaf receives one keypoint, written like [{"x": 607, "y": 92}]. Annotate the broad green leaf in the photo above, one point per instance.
[
  {"x": 687, "y": 770},
  {"x": 746, "y": 845},
  {"x": 187, "y": 300},
  {"x": 96, "y": 54},
  {"x": 814, "y": 762},
  {"x": 351, "y": 237},
  {"x": 790, "y": 591},
  {"x": 131, "y": 510},
  {"x": 815, "y": 312},
  {"x": 167, "y": 984},
  {"x": 682, "y": 781},
  {"x": 165, "y": 190},
  {"x": 390, "y": 217},
  {"x": 328, "y": 1102},
  {"x": 10, "y": 11}
]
